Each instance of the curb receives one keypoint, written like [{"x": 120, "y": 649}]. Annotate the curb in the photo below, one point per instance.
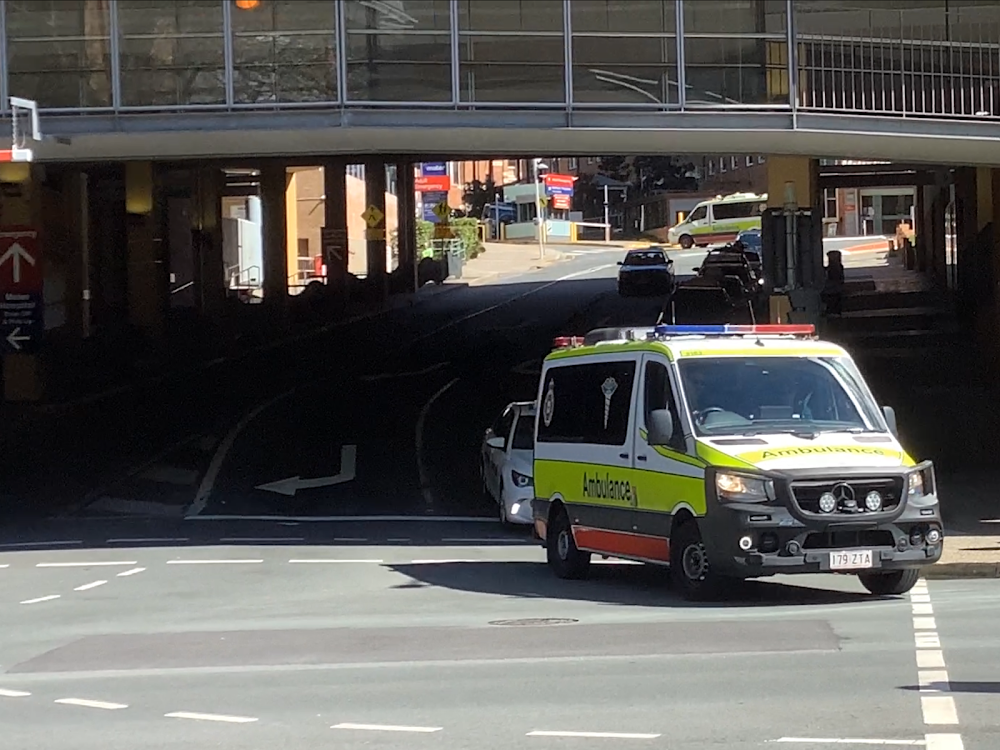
[{"x": 960, "y": 570}]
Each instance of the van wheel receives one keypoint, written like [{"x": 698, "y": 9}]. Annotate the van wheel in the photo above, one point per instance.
[
  {"x": 893, "y": 583},
  {"x": 564, "y": 558},
  {"x": 686, "y": 241},
  {"x": 690, "y": 573}
]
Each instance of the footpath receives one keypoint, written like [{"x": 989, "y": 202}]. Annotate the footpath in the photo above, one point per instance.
[{"x": 917, "y": 357}]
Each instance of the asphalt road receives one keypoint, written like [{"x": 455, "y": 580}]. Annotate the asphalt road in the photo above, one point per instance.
[{"x": 413, "y": 646}]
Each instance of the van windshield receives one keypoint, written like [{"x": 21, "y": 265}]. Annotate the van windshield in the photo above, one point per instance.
[{"x": 767, "y": 395}]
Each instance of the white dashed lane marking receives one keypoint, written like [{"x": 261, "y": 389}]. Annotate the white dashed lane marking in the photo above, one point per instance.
[
  {"x": 41, "y": 599},
  {"x": 937, "y": 706},
  {"x": 850, "y": 741},
  {"x": 132, "y": 572},
  {"x": 84, "y": 703},
  {"x": 13, "y": 694},
  {"x": 385, "y": 728},
  {"x": 89, "y": 586},
  {"x": 211, "y": 717},
  {"x": 595, "y": 735},
  {"x": 101, "y": 564},
  {"x": 213, "y": 562}
]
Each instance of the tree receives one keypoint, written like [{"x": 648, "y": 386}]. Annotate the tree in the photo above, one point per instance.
[
  {"x": 477, "y": 195},
  {"x": 616, "y": 168},
  {"x": 654, "y": 174}
]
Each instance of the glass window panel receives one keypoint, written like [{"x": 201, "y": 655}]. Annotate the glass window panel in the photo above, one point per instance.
[
  {"x": 610, "y": 16},
  {"x": 400, "y": 67},
  {"x": 59, "y": 53},
  {"x": 284, "y": 51},
  {"x": 172, "y": 52},
  {"x": 625, "y": 70},
  {"x": 731, "y": 70},
  {"x": 510, "y": 15},
  {"x": 512, "y": 69},
  {"x": 735, "y": 16},
  {"x": 883, "y": 19},
  {"x": 395, "y": 15}
]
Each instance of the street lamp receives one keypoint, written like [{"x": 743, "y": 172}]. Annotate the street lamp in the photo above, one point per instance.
[{"x": 539, "y": 166}]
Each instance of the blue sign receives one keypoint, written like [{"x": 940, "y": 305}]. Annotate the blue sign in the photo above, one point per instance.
[
  {"x": 430, "y": 200},
  {"x": 22, "y": 322},
  {"x": 558, "y": 190},
  {"x": 434, "y": 169}
]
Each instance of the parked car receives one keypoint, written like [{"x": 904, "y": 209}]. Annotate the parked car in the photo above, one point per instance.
[
  {"x": 730, "y": 267},
  {"x": 646, "y": 271},
  {"x": 508, "y": 451}
]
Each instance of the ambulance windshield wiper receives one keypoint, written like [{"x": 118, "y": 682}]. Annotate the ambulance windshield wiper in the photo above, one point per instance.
[{"x": 795, "y": 432}]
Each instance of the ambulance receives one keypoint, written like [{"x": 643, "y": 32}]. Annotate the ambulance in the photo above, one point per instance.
[
  {"x": 718, "y": 220},
  {"x": 726, "y": 452}
]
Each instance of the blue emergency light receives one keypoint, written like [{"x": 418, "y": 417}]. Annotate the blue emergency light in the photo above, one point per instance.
[{"x": 735, "y": 330}]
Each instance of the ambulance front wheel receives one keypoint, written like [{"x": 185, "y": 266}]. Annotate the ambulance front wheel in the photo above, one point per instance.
[
  {"x": 686, "y": 241},
  {"x": 565, "y": 559},
  {"x": 893, "y": 583},
  {"x": 690, "y": 572}
]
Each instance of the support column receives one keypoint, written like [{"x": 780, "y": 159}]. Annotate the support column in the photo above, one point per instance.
[
  {"x": 146, "y": 291},
  {"x": 273, "y": 183},
  {"x": 406, "y": 221},
  {"x": 76, "y": 208},
  {"x": 335, "y": 244},
  {"x": 375, "y": 235},
  {"x": 207, "y": 232}
]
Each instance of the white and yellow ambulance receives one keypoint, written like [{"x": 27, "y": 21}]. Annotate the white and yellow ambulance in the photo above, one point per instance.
[{"x": 726, "y": 452}]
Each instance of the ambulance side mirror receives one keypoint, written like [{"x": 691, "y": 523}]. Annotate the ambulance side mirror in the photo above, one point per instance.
[
  {"x": 890, "y": 419},
  {"x": 660, "y": 429}
]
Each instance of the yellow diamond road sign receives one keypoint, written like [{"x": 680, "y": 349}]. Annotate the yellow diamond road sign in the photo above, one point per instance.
[
  {"x": 542, "y": 201},
  {"x": 442, "y": 211},
  {"x": 372, "y": 216}
]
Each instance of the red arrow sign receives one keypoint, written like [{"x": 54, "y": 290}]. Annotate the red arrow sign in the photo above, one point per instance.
[{"x": 20, "y": 260}]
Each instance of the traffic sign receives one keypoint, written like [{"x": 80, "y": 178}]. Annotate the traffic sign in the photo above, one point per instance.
[
  {"x": 542, "y": 201},
  {"x": 442, "y": 211},
  {"x": 433, "y": 169},
  {"x": 432, "y": 183},
  {"x": 428, "y": 202},
  {"x": 562, "y": 202},
  {"x": 22, "y": 322},
  {"x": 20, "y": 264},
  {"x": 373, "y": 216}
]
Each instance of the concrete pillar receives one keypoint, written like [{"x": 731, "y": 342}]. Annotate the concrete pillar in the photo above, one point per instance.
[
  {"x": 20, "y": 206},
  {"x": 924, "y": 212},
  {"x": 335, "y": 250},
  {"x": 406, "y": 221},
  {"x": 375, "y": 184},
  {"x": 207, "y": 232},
  {"x": 145, "y": 287},
  {"x": 273, "y": 183},
  {"x": 76, "y": 209}
]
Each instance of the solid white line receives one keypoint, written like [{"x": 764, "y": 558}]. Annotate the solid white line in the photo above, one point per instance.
[
  {"x": 252, "y": 539},
  {"x": 938, "y": 709},
  {"x": 89, "y": 586},
  {"x": 944, "y": 742},
  {"x": 42, "y": 544},
  {"x": 210, "y": 717},
  {"x": 212, "y": 562},
  {"x": 13, "y": 694},
  {"x": 930, "y": 659},
  {"x": 91, "y": 704},
  {"x": 127, "y": 573},
  {"x": 385, "y": 728},
  {"x": 222, "y": 452},
  {"x": 848, "y": 741},
  {"x": 418, "y": 441},
  {"x": 600, "y": 735},
  {"x": 48, "y": 598},
  {"x": 149, "y": 540},
  {"x": 114, "y": 563},
  {"x": 350, "y": 519},
  {"x": 924, "y": 623},
  {"x": 320, "y": 560}
]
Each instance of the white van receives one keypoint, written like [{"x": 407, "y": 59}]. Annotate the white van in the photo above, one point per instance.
[{"x": 720, "y": 219}]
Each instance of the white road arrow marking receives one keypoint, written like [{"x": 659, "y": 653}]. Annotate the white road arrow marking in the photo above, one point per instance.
[
  {"x": 15, "y": 254},
  {"x": 292, "y": 485},
  {"x": 14, "y": 338}
]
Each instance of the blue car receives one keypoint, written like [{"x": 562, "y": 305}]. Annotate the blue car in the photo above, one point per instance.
[{"x": 647, "y": 271}]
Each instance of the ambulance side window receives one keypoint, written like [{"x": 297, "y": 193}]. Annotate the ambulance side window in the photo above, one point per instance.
[
  {"x": 589, "y": 403},
  {"x": 659, "y": 394}
]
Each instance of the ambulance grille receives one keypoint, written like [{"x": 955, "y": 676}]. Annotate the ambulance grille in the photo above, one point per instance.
[{"x": 807, "y": 493}]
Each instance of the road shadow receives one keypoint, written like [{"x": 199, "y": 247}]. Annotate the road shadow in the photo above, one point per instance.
[
  {"x": 986, "y": 688},
  {"x": 609, "y": 583}
]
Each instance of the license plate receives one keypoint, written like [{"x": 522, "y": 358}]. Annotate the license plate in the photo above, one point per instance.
[{"x": 851, "y": 559}]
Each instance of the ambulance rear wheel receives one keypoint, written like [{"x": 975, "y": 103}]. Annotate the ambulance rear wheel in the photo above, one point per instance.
[
  {"x": 893, "y": 583},
  {"x": 690, "y": 572},
  {"x": 686, "y": 241},
  {"x": 565, "y": 559}
]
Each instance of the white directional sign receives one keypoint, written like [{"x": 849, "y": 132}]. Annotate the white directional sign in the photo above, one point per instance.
[
  {"x": 15, "y": 338},
  {"x": 291, "y": 485},
  {"x": 15, "y": 255}
]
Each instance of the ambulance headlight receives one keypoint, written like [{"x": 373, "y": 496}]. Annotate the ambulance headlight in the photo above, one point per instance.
[
  {"x": 916, "y": 484},
  {"x": 743, "y": 489}
]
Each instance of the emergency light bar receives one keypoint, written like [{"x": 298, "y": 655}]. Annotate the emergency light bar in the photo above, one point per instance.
[{"x": 736, "y": 330}]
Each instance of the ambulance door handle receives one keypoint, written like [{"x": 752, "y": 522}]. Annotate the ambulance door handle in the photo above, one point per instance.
[
  {"x": 640, "y": 458},
  {"x": 623, "y": 455}
]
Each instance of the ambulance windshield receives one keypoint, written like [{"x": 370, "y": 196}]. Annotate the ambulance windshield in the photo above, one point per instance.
[{"x": 766, "y": 395}]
